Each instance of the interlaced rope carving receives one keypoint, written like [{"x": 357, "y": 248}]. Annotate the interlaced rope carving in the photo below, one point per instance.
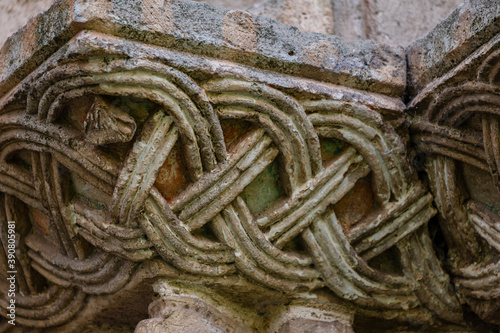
[
  {"x": 461, "y": 126},
  {"x": 138, "y": 223}
]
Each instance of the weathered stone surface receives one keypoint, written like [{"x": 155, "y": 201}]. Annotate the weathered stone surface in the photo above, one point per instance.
[
  {"x": 99, "y": 118},
  {"x": 451, "y": 42},
  {"x": 260, "y": 177},
  {"x": 179, "y": 309},
  {"x": 199, "y": 28},
  {"x": 455, "y": 130},
  {"x": 317, "y": 326},
  {"x": 386, "y": 21},
  {"x": 295, "y": 319},
  {"x": 393, "y": 22},
  {"x": 113, "y": 205}
]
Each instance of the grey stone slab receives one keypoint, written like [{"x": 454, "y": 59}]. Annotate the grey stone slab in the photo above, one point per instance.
[{"x": 209, "y": 31}]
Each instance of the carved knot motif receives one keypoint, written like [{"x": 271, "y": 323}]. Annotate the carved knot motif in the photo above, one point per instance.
[
  {"x": 460, "y": 133},
  {"x": 82, "y": 167}
]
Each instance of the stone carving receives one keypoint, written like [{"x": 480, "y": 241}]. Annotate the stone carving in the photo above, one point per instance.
[
  {"x": 269, "y": 192},
  {"x": 106, "y": 124},
  {"x": 102, "y": 210},
  {"x": 459, "y": 133}
]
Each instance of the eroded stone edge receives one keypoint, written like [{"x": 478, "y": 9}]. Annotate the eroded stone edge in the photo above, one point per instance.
[{"x": 208, "y": 31}]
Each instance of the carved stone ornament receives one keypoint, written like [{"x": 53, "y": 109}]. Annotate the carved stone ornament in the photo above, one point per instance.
[
  {"x": 457, "y": 134},
  {"x": 254, "y": 177}
]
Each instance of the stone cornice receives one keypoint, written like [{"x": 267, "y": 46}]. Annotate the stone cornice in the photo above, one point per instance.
[
  {"x": 471, "y": 25},
  {"x": 189, "y": 26}
]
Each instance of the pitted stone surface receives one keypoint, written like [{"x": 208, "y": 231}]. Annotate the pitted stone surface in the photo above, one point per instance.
[
  {"x": 454, "y": 39},
  {"x": 455, "y": 129},
  {"x": 199, "y": 28}
]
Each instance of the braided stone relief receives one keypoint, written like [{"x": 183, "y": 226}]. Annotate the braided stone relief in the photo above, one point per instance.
[
  {"x": 252, "y": 184},
  {"x": 116, "y": 160},
  {"x": 457, "y": 134}
]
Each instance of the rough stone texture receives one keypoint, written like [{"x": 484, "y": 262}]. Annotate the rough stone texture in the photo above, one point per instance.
[
  {"x": 455, "y": 129},
  {"x": 350, "y": 18},
  {"x": 180, "y": 309},
  {"x": 111, "y": 124},
  {"x": 200, "y": 29},
  {"x": 451, "y": 42},
  {"x": 122, "y": 91},
  {"x": 393, "y": 22}
]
